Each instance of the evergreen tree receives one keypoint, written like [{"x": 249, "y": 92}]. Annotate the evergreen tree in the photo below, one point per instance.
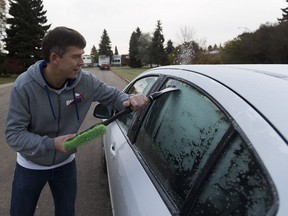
[
  {"x": 105, "y": 45},
  {"x": 210, "y": 48},
  {"x": 94, "y": 54},
  {"x": 284, "y": 15},
  {"x": 157, "y": 48},
  {"x": 169, "y": 50},
  {"x": 25, "y": 30},
  {"x": 116, "y": 51},
  {"x": 133, "y": 49}
]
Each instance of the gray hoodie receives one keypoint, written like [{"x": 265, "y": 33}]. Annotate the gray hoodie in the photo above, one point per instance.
[{"x": 37, "y": 114}]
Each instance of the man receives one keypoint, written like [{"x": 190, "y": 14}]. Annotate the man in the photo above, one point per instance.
[{"x": 48, "y": 105}]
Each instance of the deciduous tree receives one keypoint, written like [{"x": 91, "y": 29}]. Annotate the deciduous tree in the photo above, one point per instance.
[
  {"x": 267, "y": 45},
  {"x": 187, "y": 53},
  {"x": 144, "y": 48}
]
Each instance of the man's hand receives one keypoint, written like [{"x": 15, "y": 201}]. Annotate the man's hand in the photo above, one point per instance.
[
  {"x": 59, "y": 142},
  {"x": 136, "y": 102}
]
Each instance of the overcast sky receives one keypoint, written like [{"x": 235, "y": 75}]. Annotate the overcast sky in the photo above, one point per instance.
[{"x": 213, "y": 21}]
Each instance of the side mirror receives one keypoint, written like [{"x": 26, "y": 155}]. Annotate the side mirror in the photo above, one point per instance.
[{"x": 101, "y": 111}]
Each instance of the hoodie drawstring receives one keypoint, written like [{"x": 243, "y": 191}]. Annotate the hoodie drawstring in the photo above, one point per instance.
[
  {"x": 52, "y": 108},
  {"x": 50, "y": 102},
  {"x": 76, "y": 107}
]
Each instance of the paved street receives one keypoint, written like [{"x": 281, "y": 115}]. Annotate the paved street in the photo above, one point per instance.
[{"x": 93, "y": 193}]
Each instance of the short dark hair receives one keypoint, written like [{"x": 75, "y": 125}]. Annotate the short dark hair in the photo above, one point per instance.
[{"x": 59, "y": 39}]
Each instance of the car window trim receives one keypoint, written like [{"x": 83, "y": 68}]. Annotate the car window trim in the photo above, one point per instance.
[
  {"x": 123, "y": 128},
  {"x": 127, "y": 88},
  {"x": 133, "y": 130}
]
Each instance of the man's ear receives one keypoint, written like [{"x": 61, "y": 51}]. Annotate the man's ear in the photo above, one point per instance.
[{"x": 54, "y": 58}]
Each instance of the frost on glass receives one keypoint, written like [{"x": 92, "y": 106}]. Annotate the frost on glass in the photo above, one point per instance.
[
  {"x": 180, "y": 132},
  {"x": 237, "y": 187}
]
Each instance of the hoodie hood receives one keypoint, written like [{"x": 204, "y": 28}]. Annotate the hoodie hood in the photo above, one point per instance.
[{"x": 36, "y": 72}]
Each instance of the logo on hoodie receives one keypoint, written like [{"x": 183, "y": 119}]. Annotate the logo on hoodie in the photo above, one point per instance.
[{"x": 78, "y": 98}]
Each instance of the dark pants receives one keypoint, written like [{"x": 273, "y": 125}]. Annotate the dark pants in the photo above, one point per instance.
[{"x": 28, "y": 184}]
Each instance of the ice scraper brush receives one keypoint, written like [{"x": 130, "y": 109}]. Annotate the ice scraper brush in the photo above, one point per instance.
[
  {"x": 99, "y": 129},
  {"x": 85, "y": 136}
]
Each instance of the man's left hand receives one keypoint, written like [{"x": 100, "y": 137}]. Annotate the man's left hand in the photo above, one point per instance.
[{"x": 136, "y": 102}]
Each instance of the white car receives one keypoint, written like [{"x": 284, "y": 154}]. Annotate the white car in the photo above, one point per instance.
[{"x": 216, "y": 146}]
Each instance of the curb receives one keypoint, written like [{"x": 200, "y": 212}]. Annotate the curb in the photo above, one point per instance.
[
  {"x": 6, "y": 85},
  {"x": 120, "y": 76}
]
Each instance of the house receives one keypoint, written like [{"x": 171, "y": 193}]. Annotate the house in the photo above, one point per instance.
[
  {"x": 87, "y": 59},
  {"x": 116, "y": 60}
]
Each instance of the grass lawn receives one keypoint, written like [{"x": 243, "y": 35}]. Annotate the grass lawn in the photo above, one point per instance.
[
  {"x": 127, "y": 72},
  {"x": 4, "y": 80}
]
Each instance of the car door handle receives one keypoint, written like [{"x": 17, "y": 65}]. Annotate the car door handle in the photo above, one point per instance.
[{"x": 112, "y": 149}]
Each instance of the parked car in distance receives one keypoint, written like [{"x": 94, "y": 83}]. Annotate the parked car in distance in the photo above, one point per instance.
[
  {"x": 218, "y": 146},
  {"x": 105, "y": 66}
]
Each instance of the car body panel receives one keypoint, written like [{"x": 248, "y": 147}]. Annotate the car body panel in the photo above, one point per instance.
[
  {"x": 129, "y": 195},
  {"x": 260, "y": 112}
]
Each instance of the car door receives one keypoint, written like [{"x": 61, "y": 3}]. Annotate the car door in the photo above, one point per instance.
[{"x": 128, "y": 182}]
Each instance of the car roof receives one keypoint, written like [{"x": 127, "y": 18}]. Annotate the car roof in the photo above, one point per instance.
[{"x": 265, "y": 87}]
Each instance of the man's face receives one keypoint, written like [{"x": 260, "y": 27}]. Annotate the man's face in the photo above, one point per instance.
[{"x": 69, "y": 65}]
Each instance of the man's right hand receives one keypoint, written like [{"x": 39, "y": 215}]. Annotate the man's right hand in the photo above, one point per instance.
[{"x": 59, "y": 142}]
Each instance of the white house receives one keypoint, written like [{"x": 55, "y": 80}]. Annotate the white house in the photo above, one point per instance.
[
  {"x": 87, "y": 60},
  {"x": 116, "y": 60}
]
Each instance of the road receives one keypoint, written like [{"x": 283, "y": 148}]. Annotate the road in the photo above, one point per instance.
[{"x": 93, "y": 193}]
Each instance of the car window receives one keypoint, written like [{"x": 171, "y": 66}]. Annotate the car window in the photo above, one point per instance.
[
  {"x": 141, "y": 86},
  {"x": 179, "y": 133},
  {"x": 178, "y": 136},
  {"x": 237, "y": 185}
]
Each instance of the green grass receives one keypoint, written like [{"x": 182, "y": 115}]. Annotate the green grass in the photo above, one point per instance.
[
  {"x": 124, "y": 71},
  {"x": 4, "y": 80},
  {"x": 127, "y": 72}
]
